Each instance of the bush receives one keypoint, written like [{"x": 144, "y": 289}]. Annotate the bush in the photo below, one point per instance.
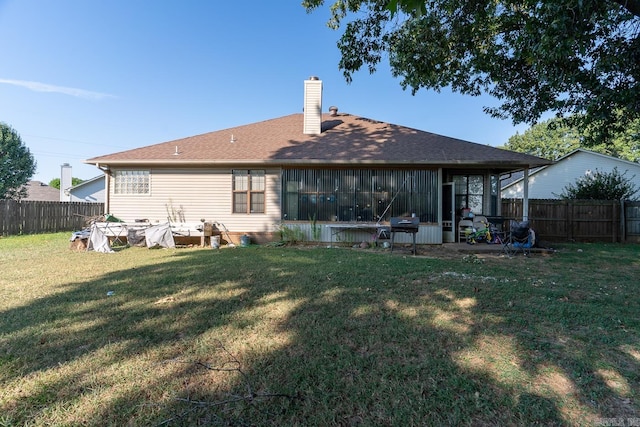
[
  {"x": 291, "y": 234},
  {"x": 600, "y": 185}
]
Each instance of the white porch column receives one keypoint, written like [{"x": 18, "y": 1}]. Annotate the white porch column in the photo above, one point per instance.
[{"x": 525, "y": 195}]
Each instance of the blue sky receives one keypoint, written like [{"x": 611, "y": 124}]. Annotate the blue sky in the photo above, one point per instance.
[{"x": 83, "y": 78}]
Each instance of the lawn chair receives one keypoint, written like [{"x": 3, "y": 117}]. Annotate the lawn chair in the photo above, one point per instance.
[
  {"x": 501, "y": 237},
  {"x": 465, "y": 227},
  {"x": 521, "y": 238}
]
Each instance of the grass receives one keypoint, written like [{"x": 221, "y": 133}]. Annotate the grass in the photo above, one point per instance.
[{"x": 315, "y": 336}]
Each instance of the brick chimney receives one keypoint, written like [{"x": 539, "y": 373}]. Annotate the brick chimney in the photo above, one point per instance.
[{"x": 312, "y": 106}]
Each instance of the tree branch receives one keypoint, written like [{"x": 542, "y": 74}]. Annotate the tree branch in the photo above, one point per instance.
[
  {"x": 250, "y": 396},
  {"x": 632, "y": 6}
]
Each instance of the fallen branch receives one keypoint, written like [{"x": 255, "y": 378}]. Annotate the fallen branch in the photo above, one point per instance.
[{"x": 250, "y": 397}]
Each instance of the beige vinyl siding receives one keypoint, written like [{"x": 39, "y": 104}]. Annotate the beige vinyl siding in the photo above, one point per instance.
[{"x": 198, "y": 194}]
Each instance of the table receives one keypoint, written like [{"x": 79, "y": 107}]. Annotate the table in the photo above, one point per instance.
[
  {"x": 499, "y": 222},
  {"x": 341, "y": 227}
]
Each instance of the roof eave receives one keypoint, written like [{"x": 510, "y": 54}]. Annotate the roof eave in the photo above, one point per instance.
[{"x": 211, "y": 162}]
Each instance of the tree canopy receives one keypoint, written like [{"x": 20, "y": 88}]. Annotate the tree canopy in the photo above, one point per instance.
[
  {"x": 55, "y": 182},
  {"x": 577, "y": 58},
  {"x": 17, "y": 165},
  {"x": 553, "y": 139}
]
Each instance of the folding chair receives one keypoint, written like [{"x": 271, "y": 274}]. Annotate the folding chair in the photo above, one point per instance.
[
  {"x": 502, "y": 238},
  {"x": 521, "y": 238},
  {"x": 465, "y": 226}
]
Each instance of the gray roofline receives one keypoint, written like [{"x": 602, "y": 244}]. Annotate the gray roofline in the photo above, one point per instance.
[
  {"x": 85, "y": 182},
  {"x": 538, "y": 169},
  {"x": 597, "y": 154}
]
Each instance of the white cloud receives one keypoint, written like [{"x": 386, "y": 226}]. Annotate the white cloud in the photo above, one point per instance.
[{"x": 43, "y": 87}]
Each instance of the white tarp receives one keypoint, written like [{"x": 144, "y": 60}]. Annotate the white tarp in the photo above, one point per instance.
[
  {"x": 159, "y": 235},
  {"x": 98, "y": 241},
  {"x": 83, "y": 234}
]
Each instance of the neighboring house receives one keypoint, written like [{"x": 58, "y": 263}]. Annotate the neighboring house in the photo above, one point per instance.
[
  {"x": 310, "y": 170},
  {"x": 40, "y": 191},
  {"x": 548, "y": 182},
  {"x": 92, "y": 190}
]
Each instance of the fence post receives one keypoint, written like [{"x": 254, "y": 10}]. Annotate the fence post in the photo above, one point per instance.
[
  {"x": 569, "y": 206},
  {"x": 614, "y": 226},
  {"x": 623, "y": 223}
]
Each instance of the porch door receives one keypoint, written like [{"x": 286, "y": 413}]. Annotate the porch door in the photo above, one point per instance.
[{"x": 448, "y": 213}]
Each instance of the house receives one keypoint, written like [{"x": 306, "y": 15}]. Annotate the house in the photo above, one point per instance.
[
  {"x": 312, "y": 171},
  {"x": 549, "y": 181},
  {"x": 39, "y": 191},
  {"x": 91, "y": 190}
]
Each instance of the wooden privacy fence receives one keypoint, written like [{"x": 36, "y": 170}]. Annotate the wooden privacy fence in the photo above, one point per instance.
[
  {"x": 553, "y": 220},
  {"x": 631, "y": 221},
  {"x": 579, "y": 220},
  {"x": 31, "y": 217}
]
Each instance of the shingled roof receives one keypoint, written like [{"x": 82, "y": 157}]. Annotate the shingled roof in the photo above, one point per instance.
[
  {"x": 40, "y": 191},
  {"x": 345, "y": 139}
]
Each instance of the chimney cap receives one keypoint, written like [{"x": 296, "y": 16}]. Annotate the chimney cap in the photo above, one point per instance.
[
  {"x": 314, "y": 78},
  {"x": 333, "y": 110}
]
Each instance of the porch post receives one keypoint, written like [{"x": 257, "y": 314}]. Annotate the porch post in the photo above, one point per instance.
[
  {"x": 107, "y": 185},
  {"x": 525, "y": 195}
]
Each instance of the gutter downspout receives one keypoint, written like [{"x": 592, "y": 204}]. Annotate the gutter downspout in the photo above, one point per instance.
[{"x": 107, "y": 183}]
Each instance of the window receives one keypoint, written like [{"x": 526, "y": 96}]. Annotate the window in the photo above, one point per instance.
[
  {"x": 248, "y": 191},
  {"x": 366, "y": 195},
  {"x": 469, "y": 192},
  {"x": 131, "y": 182}
]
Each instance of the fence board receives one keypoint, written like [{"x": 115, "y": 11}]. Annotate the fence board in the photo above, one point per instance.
[
  {"x": 32, "y": 217},
  {"x": 578, "y": 220},
  {"x": 632, "y": 219}
]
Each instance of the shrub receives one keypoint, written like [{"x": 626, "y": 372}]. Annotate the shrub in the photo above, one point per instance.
[{"x": 600, "y": 185}]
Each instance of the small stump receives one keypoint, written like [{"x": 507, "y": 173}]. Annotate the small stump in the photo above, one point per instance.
[{"x": 79, "y": 245}]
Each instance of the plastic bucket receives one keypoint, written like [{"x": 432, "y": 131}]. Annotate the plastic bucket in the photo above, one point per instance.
[
  {"x": 245, "y": 240},
  {"x": 215, "y": 242}
]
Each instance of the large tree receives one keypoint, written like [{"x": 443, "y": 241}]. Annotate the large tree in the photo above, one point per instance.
[
  {"x": 553, "y": 139},
  {"x": 577, "y": 58},
  {"x": 55, "y": 182},
  {"x": 17, "y": 164}
]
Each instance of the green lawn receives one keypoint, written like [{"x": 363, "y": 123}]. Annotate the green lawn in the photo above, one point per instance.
[{"x": 314, "y": 336}]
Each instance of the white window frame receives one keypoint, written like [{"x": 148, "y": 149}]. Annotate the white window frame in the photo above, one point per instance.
[
  {"x": 249, "y": 182},
  {"x": 132, "y": 182}
]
